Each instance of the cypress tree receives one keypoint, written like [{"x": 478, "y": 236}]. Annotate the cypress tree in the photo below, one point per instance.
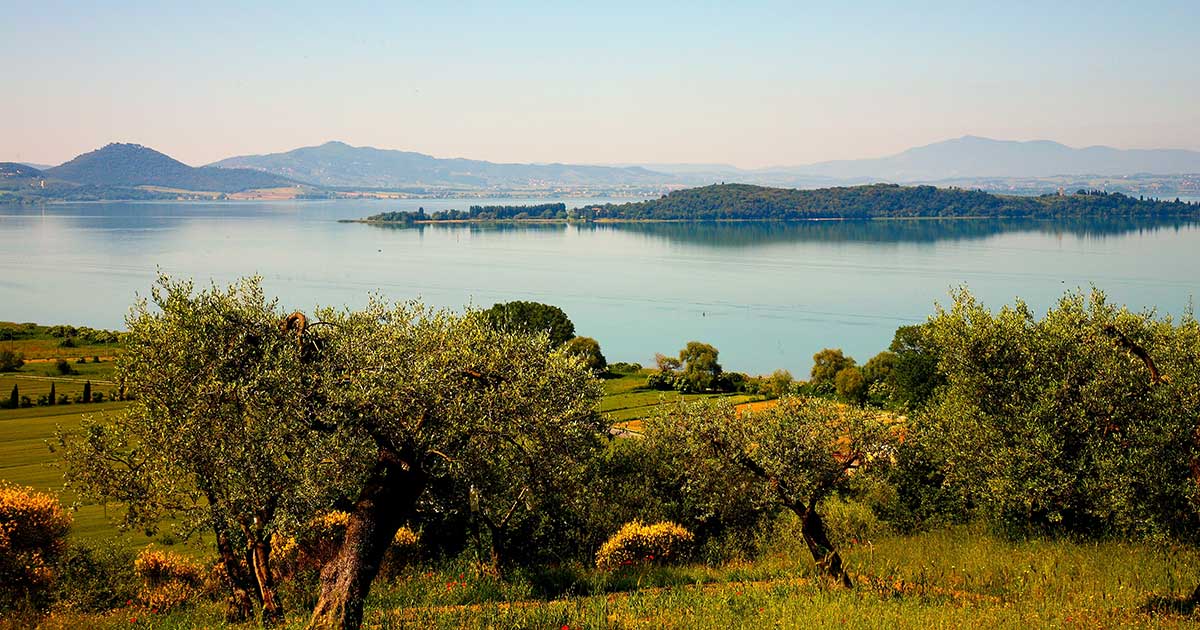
[
  {"x": 87, "y": 392},
  {"x": 14, "y": 399},
  {"x": 53, "y": 401}
]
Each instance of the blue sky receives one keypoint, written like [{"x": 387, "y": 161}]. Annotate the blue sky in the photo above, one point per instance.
[{"x": 753, "y": 84}]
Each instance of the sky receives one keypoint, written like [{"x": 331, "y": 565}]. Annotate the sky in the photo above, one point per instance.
[{"x": 746, "y": 83}]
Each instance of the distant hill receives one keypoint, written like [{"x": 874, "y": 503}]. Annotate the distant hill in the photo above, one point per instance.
[
  {"x": 962, "y": 159},
  {"x": 132, "y": 165},
  {"x": 971, "y": 156},
  {"x": 13, "y": 170},
  {"x": 746, "y": 202},
  {"x": 338, "y": 164}
]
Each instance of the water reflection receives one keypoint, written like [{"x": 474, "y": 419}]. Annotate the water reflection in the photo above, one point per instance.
[{"x": 754, "y": 234}]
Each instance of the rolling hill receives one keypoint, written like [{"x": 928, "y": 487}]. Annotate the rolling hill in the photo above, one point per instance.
[{"x": 337, "y": 164}]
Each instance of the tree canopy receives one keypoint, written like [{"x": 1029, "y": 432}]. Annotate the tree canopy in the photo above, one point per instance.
[{"x": 530, "y": 318}]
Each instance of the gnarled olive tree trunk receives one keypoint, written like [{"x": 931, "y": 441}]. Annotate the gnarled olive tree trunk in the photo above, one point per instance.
[
  {"x": 819, "y": 545},
  {"x": 241, "y": 602},
  {"x": 386, "y": 499}
]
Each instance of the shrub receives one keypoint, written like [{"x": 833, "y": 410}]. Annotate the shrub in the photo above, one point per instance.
[
  {"x": 404, "y": 552},
  {"x": 11, "y": 360},
  {"x": 636, "y": 544},
  {"x": 94, "y": 578},
  {"x": 169, "y": 580},
  {"x": 63, "y": 367},
  {"x": 621, "y": 367},
  {"x": 849, "y": 522},
  {"x": 314, "y": 545},
  {"x": 33, "y": 531},
  {"x": 157, "y": 567}
]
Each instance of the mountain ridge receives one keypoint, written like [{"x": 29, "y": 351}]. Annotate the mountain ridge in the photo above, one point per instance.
[
  {"x": 341, "y": 165},
  {"x": 968, "y": 157}
]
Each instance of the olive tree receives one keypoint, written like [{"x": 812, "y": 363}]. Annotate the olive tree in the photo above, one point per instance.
[
  {"x": 431, "y": 391},
  {"x": 216, "y": 437},
  {"x": 798, "y": 452},
  {"x": 1082, "y": 421}
]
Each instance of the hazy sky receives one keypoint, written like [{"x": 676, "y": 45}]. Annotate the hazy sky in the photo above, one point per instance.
[{"x": 752, "y": 84}]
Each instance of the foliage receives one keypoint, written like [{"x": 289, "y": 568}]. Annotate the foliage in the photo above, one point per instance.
[
  {"x": 169, "y": 580},
  {"x": 588, "y": 351},
  {"x": 475, "y": 408},
  {"x": 11, "y": 360},
  {"x": 636, "y": 544},
  {"x": 156, "y": 567},
  {"x": 218, "y": 437},
  {"x": 747, "y": 202},
  {"x": 1055, "y": 424},
  {"x": 794, "y": 454},
  {"x": 913, "y": 376},
  {"x": 850, "y": 385},
  {"x": 476, "y": 213},
  {"x": 94, "y": 577},
  {"x": 531, "y": 318},
  {"x": 701, "y": 372},
  {"x": 826, "y": 365},
  {"x": 622, "y": 367},
  {"x": 33, "y": 531}
]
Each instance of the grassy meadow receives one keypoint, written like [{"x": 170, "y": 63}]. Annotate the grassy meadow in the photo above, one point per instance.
[{"x": 946, "y": 579}]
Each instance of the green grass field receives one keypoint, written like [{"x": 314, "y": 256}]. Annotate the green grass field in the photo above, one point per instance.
[
  {"x": 34, "y": 380},
  {"x": 26, "y": 459},
  {"x": 626, "y": 398}
]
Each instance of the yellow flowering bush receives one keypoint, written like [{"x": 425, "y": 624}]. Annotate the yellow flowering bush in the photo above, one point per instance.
[
  {"x": 33, "y": 531},
  {"x": 318, "y": 542},
  {"x": 169, "y": 580},
  {"x": 155, "y": 567},
  {"x": 404, "y": 551},
  {"x": 314, "y": 545},
  {"x": 636, "y": 544}
]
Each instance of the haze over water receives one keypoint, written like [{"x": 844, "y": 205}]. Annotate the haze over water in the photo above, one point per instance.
[{"x": 767, "y": 295}]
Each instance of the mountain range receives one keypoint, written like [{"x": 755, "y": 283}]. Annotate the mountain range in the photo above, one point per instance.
[
  {"x": 133, "y": 171},
  {"x": 337, "y": 164},
  {"x": 965, "y": 158}
]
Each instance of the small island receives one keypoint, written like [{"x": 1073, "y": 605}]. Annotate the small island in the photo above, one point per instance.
[{"x": 743, "y": 202}]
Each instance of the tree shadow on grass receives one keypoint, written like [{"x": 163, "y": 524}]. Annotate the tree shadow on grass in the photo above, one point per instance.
[{"x": 1169, "y": 605}]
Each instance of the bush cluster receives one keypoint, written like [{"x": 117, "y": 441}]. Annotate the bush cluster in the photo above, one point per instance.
[
  {"x": 639, "y": 544},
  {"x": 33, "y": 531},
  {"x": 169, "y": 580}
]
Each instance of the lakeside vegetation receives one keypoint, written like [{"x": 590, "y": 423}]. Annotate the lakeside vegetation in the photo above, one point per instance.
[
  {"x": 990, "y": 467},
  {"x": 744, "y": 202}
]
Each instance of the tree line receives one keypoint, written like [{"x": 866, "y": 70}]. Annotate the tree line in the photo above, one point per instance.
[
  {"x": 476, "y": 213},
  {"x": 748, "y": 202}
]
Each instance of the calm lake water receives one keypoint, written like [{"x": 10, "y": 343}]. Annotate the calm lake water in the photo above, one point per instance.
[{"x": 767, "y": 295}]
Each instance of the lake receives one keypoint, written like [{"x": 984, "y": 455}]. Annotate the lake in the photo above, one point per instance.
[{"x": 767, "y": 295}]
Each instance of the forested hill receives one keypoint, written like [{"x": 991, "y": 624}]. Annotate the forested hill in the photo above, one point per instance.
[
  {"x": 131, "y": 165},
  {"x": 746, "y": 202}
]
